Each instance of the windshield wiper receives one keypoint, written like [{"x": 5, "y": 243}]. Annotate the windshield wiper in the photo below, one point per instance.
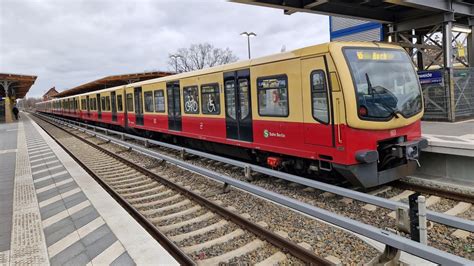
[{"x": 393, "y": 111}]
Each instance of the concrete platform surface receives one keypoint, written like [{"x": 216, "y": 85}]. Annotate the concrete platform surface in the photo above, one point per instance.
[
  {"x": 53, "y": 212},
  {"x": 450, "y": 138}
]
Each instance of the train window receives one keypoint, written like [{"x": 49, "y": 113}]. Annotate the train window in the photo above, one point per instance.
[
  {"x": 83, "y": 104},
  {"x": 230, "y": 101},
  {"x": 148, "y": 101},
  {"x": 273, "y": 96},
  {"x": 92, "y": 103},
  {"x": 119, "y": 103},
  {"x": 210, "y": 99},
  {"x": 319, "y": 96},
  {"x": 191, "y": 100},
  {"x": 102, "y": 101},
  {"x": 129, "y": 102},
  {"x": 159, "y": 101},
  {"x": 107, "y": 103},
  {"x": 244, "y": 98}
]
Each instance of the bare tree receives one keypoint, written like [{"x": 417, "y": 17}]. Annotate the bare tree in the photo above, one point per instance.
[
  {"x": 29, "y": 103},
  {"x": 199, "y": 56}
]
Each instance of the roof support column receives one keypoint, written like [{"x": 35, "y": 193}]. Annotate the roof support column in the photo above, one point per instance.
[
  {"x": 8, "y": 101},
  {"x": 448, "y": 66}
]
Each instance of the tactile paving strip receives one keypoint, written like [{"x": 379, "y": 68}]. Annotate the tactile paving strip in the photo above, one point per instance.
[{"x": 28, "y": 241}]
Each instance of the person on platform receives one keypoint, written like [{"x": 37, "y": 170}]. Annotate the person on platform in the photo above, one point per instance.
[{"x": 16, "y": 112}]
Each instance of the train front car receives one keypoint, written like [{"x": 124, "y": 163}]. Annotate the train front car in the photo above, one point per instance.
[{"x": 384, "y": 106}]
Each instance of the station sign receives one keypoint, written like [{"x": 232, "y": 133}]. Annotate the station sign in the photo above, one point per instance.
[{"x": 430, "y": 77}]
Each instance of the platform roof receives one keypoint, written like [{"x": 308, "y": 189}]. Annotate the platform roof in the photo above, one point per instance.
[
  {"x": 18, "y": 83},
  {"x": 385, "y": 11},
  {"x": 112, "y": 81}
]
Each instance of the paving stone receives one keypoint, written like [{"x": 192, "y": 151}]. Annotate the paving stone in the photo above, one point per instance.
[
  {"x": 100, "y": 245},
  {"x": 65, "y": 228},
  {"x": 47, "y": 194},
  {"x": 67, "y": 254},
  {"x": 48, "y": 211},
  {"x": 123, "y": 260},
  {"x": 85, "y": 219},
  {"x": 81, "y": 259},
  {"x": 75, "y": 199},
  {"x": 100, "y": 232}
]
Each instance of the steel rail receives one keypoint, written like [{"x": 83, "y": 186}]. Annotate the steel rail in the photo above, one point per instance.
[
  {"x": 380, "y": 235},
  {"x": 437, "y": 217},
  {"x": 437, "y": 191},
  {"x": 299, "y": 252}
]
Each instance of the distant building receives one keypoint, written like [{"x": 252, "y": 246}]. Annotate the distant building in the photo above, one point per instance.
[{"x": 51, "y": 93}]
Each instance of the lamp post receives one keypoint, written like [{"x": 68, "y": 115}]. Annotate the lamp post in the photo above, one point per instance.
[
  {"x": 175, "y": 58},
  {"x": 248, "y": 34}
]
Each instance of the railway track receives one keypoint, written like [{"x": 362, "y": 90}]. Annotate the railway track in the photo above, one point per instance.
[
  {"x": 440, "y": 236},
  {"x": 194, "y": 229}
]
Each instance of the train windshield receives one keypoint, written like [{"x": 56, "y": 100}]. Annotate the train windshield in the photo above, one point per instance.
[{"x": 385, "y": 81}]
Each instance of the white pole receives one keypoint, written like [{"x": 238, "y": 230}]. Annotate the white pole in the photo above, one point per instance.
[{"x": 422, "y": 220}]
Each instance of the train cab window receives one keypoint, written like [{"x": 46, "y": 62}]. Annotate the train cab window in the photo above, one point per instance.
[
  {"x": 319, "y": 96},
  {"x": 210, "y": 99},
  {"x": 159, "y": 101},
  {"x": 129, "y": 102},
  {"x": 191, "y": 100},
  {"x": 148, "y": 101},
  {"x": 273, "y": 96},
  {"x": 119, "y": 103},
  {"x": 107, "y": 103}
]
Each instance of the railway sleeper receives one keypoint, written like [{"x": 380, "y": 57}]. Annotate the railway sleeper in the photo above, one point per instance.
[
  {"x": 151, "y": 196},
  {"x": 125, "y": 177},
  {"x": 150, "y": 191},
  {"x": 254, "y": 245},
  {"x": 204, "y": 217},
  {"x": 175, "y": 215},
  {"x": 201, "y": 231},
  {"x": 132, "y": 183},
  {"x": 156, "y": 202},
  {"x": 220, "y": 240},
  {"x": 128, "y": 191},
  {"x": 156, "y": 211}
]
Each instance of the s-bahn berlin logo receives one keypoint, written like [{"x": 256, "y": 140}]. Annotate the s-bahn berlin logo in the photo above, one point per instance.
[{"x": 267, "y": 133}]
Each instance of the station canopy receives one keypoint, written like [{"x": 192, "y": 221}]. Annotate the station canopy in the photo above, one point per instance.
[
  {"x": 17, "y": 84},
  {"x": 384, "y": 11},
  {"x": 112, "y": 81}
]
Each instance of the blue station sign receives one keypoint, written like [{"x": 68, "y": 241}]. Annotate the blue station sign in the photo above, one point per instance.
[{"x": 430, "y": 77}]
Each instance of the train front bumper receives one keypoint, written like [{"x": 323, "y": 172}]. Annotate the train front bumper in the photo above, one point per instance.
[{"x": 366, "y": 173}]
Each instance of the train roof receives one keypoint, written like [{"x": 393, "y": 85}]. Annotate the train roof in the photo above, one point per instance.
[{"x": 301, "y": 52}]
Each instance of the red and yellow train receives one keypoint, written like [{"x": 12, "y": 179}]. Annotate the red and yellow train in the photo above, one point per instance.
[{"x": 336, "y": 109}]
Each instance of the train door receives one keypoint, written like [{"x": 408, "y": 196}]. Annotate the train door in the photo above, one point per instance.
[
  {"x": 138, "y": 106},
  {"x": 238, "y": 115},
  {"x": 99, "y": 107},
  {"x": 174, "y": 105},
  {"x": 318, "y": 122},
  {"x": 114, "y": 106},
  {"x": 88, "y": 106}
]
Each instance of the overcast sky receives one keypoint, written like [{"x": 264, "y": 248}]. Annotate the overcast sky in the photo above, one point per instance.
[{"x": 70, "y": 42}]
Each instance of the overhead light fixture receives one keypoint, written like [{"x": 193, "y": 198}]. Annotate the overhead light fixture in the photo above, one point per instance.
[{"x": 457, "y": 28}]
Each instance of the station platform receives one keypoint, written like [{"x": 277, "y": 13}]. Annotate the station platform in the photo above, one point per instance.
[
  {"x": 449, "y": 158},
  {"x": 450, "y": 138},
  {"x": 53, "y": 212}
]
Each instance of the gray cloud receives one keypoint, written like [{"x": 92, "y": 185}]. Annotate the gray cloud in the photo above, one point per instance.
[{"x": 67, "y": 43}]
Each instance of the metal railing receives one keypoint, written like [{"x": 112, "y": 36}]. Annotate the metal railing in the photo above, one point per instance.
[{"x": 383, "y": 236}]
